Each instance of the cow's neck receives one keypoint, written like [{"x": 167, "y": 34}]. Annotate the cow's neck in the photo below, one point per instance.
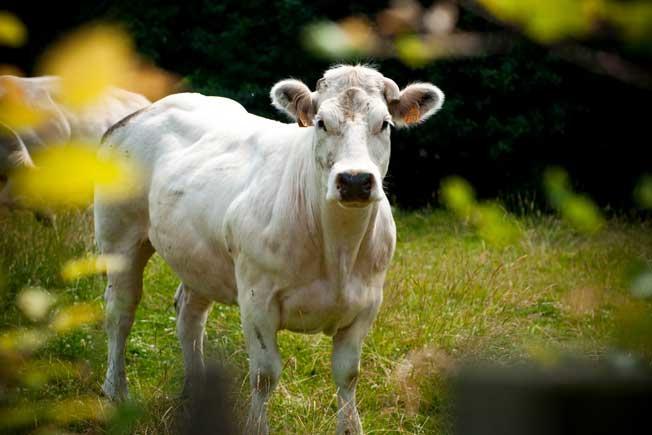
[
  {"x": 343, "y": 232},
  {"x": 336, "y": 231}
]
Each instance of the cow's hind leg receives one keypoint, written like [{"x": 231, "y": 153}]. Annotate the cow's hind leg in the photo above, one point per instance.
[
  {"x": 122, "y": 296},
  {"x": 192, "y": 312}
]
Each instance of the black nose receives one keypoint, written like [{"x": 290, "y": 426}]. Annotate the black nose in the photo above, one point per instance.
[{"x": 354, "y": 186}]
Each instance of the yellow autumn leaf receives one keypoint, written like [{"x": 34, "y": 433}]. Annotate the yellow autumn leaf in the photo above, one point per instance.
[
  {"x": 413, "y": 51},
  {"x": 548, "y": 21},
  {"x": 79, "y": 268},
  {"x": 13, "y": 32},
  {"x": 15, "y": 112},
  {"x": 80, "y": 408},
  {"x": 89, "y": 61},
  {"x": 67, "y": 174},
  {"x": 74, "y": 316},
  {"x": 22, "y": 340}
]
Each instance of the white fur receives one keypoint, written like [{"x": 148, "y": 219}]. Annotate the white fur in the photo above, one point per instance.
[{"x": 242, "y": 209}]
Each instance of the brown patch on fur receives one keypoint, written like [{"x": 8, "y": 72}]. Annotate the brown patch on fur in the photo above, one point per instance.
[
  {"x": 406, "y": 108},
  {"x": 412, "y": 116},
  {"x": 121, "y": 124}
]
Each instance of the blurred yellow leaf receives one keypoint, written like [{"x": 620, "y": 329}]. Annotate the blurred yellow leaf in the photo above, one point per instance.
[
  {"x": 413, "y": 51},
  {"x": 13, "y": 32},
  {"x": 65, "y": 411},
  {"x": 14, "y": 109},
  {"x": 151, "y": 81},
  {"x": 23, "y": 340},
  {"x": 75, "y": 269},
  {"x": 75, "y": 316},
  {"x": 35, "y": 303},
  {"x": 458, "y": 195},
  {"x": 89, "y": 61},
  {"x": 37, "y": 373},
  {"x": 79, "y": 409},
  {"x": 633, "y": 17},
  {"x": 66, "y": 175},
  {"x": 548, "y": 21}
]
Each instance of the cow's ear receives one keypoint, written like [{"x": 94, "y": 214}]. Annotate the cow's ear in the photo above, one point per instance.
[
  {"x": 415, "y": 104},
  {"x": 294, "y": 98}
]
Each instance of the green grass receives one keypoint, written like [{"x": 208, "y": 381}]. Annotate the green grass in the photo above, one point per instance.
[{"x": 449, "y": 298}]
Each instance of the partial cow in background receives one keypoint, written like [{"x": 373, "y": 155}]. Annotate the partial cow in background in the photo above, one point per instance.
[
  {"x": 290, "y": 223},
  {"x": 59, "y": 123}
]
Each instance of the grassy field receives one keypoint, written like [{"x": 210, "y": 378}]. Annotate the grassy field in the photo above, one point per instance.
[{"x": 449, "y": 298}]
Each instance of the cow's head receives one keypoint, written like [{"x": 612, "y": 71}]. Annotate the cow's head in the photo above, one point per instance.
[{"x": 352, "y": 110}]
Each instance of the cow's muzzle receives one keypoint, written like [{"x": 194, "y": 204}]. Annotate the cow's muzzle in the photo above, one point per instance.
[{"x": 354, "y": 187}]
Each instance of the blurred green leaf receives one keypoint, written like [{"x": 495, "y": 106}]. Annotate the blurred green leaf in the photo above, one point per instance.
[
  {"x": 327, "y": 39},
  {"x": 458, "y": 195},
  {"x": 495, "y": 225},
  {"x": 641, "y": 284},
  {"x": 583, "y": 214},
  {"x": 643, "y": 192},
  {"x": 578, "y": 210},
  {"x": 124, "y": 418}
]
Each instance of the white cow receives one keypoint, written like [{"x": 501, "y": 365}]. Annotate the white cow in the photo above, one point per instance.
[
  {"x": 290, "y": 223},
  {"x": 60, "y": 123}
]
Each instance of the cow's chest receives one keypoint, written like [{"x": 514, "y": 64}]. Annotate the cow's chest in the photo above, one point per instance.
[{"x": 322, "y": 307}]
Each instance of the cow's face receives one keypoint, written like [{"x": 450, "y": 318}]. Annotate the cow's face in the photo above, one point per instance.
[{"x": 352, "y": 111}]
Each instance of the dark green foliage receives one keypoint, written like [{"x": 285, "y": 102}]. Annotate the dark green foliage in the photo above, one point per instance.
[{"x": 506, "y": 118}]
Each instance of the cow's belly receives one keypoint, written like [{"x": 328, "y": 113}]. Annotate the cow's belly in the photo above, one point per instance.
[
  {"x": 320, "y": 308},
  {"x": 206, "y": 269}
]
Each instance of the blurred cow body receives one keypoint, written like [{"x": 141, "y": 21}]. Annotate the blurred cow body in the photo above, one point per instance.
[
  {"x": 290, "y": 223},
  {"x": 59, "y": 123}
]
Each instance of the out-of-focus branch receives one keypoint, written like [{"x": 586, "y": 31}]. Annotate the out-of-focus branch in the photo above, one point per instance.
[
  {"x": 603, "y": 62},
  {"x": 598, "y": 61}
]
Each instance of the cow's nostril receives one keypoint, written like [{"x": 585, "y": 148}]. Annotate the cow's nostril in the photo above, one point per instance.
[{"x": 354, "y": 186}]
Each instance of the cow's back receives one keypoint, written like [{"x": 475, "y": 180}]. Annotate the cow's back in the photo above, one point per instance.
[{"x": 193, "y": 153}]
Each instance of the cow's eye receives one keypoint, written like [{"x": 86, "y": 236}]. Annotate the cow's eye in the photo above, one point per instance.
[
  {"x": 385, "y": 126},
  {"x": 320, "y": 124}
]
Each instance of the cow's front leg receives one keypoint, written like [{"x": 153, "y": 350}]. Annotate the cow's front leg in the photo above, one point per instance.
[
  {"x": 259, "y": 314},
  {"x": 347, "y": 346},
  {"x": 192, "y": 311}
]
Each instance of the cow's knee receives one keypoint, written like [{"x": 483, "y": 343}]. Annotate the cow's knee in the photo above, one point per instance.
[{"x": 346, "y": 368}]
